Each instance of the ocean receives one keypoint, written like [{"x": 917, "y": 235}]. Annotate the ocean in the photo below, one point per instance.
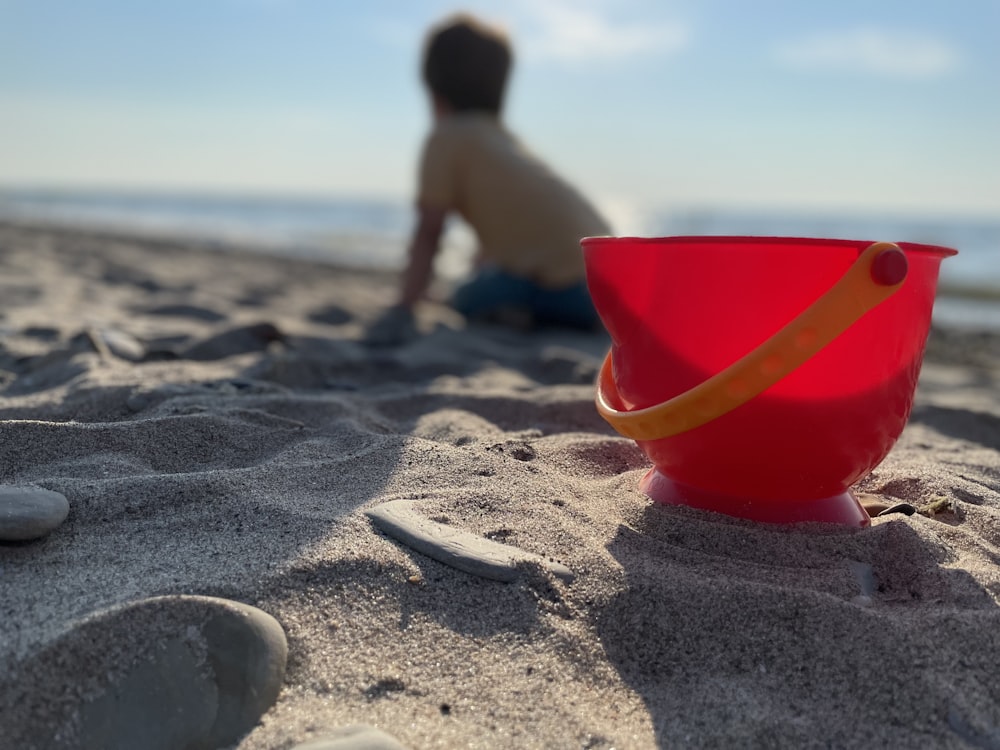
[{"x": 372, "y": 233}]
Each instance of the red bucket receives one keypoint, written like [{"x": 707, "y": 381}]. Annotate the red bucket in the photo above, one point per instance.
[{"x": 763, "y": 376}]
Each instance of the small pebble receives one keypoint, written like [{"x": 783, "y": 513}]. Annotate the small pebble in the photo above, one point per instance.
[{"x": 30, "y": 512}]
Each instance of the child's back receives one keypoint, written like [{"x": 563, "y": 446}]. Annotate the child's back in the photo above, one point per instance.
[{"x": 528, "y": 220}]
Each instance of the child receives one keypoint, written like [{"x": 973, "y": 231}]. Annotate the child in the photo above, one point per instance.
[{"x": 528, "y": 221}]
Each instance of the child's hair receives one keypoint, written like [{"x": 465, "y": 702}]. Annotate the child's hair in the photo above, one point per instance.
[{"x": 466, "y": 63}]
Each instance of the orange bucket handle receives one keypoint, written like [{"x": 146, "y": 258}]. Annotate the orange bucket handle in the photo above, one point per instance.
[{"x": 874, "y": 277}]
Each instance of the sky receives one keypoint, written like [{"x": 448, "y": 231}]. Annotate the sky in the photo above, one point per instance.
[{"x": 862, "y": 105}]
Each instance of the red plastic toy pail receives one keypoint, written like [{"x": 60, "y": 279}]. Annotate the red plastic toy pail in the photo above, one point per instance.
[{"x": 763, "y": 376}]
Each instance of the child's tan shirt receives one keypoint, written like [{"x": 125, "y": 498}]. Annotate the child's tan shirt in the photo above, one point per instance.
[{"x": 528, "y": 220}]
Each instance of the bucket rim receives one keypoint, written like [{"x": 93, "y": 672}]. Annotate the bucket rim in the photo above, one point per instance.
[{"x": 915, "y": 247}]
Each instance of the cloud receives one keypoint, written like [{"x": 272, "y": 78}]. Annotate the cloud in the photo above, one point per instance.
[
  {"x": 573, "y": 33},
  {"x": 899, "y": 54}
]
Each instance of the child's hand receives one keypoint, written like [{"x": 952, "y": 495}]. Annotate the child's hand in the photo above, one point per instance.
[{"x": 393, "y": 327}]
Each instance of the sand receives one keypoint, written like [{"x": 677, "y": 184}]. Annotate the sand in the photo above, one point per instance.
[{"x": 219, "y": 430}]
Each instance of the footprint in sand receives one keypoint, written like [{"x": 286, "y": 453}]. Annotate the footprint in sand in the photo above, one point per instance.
[{"x": 168, "y": 672}]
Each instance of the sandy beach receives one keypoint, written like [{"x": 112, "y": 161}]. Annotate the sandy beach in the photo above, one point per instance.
[{"x": 219, "y": 430}]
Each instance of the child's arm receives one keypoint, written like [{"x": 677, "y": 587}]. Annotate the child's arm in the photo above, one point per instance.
[
  {"x": 424, "y": 247},
  {"x": 396, "y": 325}
]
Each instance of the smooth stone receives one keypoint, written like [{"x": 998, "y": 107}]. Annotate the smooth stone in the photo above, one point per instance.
[
  {"x": 357, "y": 737},
  {"x": 459, "y": 549},
  {"x": 30, "y": 512},
  {"x": 197, "y": 698},
  {"x": 121, "y": 344}
]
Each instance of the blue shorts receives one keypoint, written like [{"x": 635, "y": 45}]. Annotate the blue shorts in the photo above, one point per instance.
[{"x": 493, "y": 291}]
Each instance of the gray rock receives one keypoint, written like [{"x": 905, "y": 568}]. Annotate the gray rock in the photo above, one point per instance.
[
  {"x": 30, "y": 512},
  {"x": 357, "y": 737},
  {"x": 459, "y": 549},
  {"x": 201, "y": 689}
]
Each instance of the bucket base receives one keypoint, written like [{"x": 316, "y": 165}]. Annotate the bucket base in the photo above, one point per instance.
[{"x": 841, "y": 509}]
